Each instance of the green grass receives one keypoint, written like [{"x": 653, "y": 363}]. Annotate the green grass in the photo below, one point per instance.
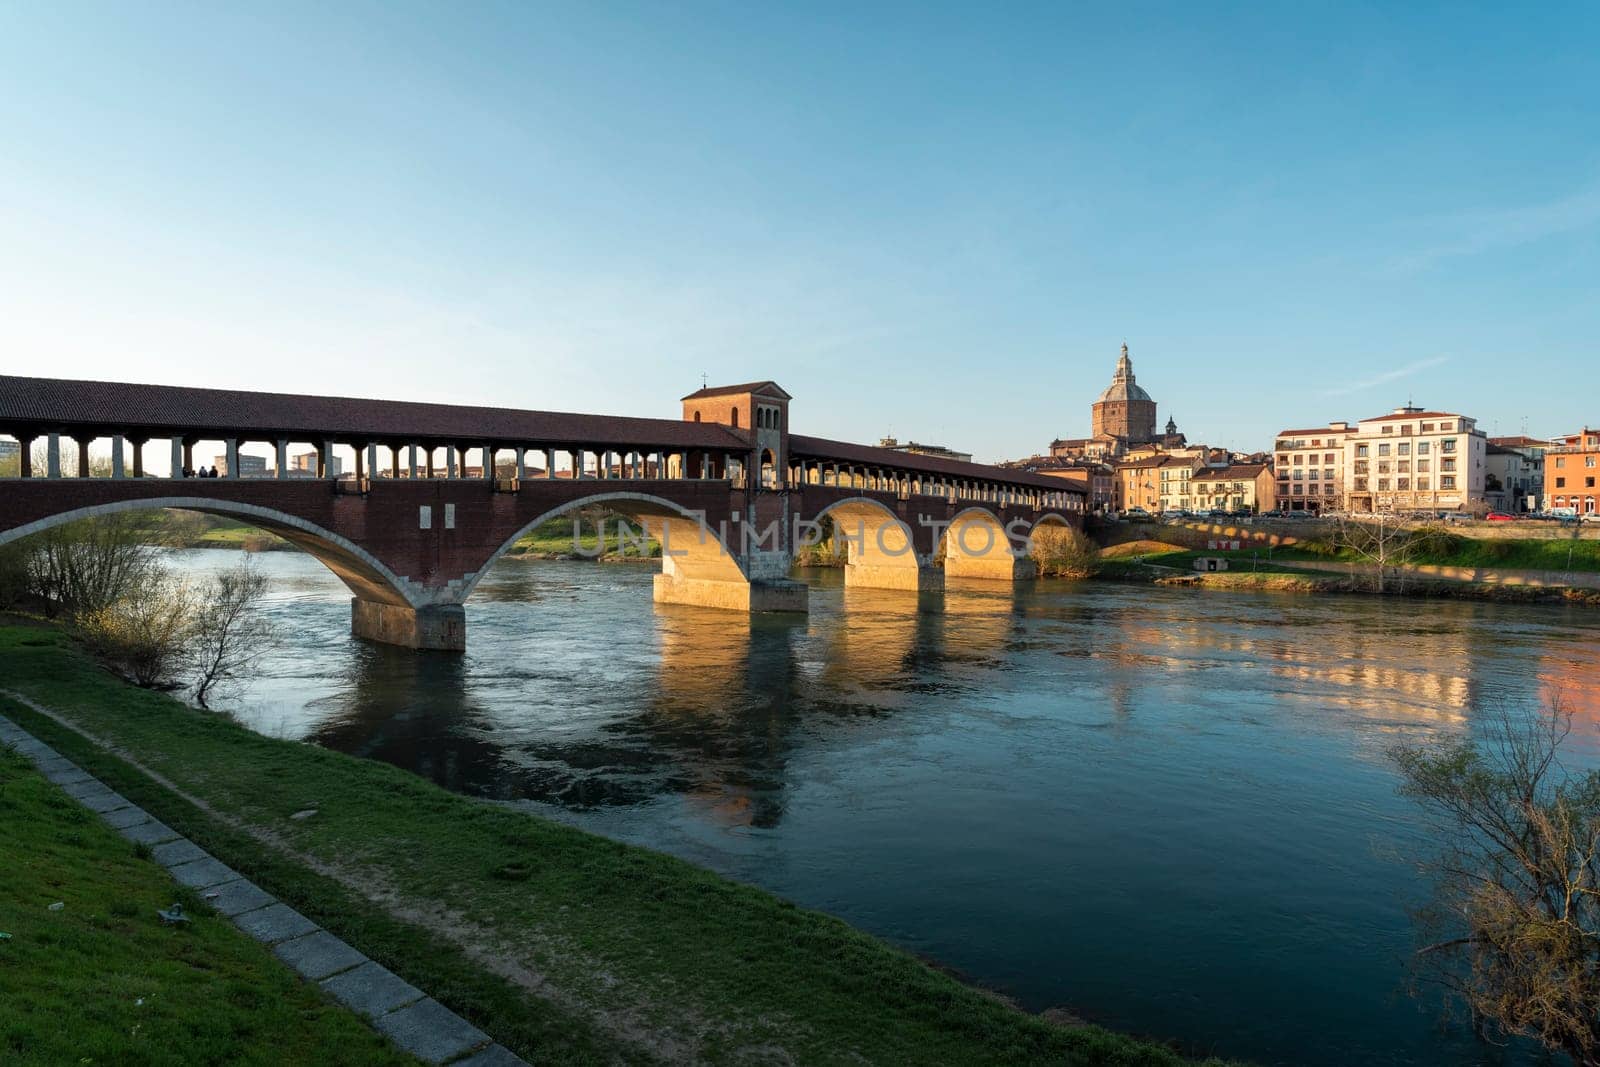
[
  {"x": 1541, "y": 554},
  {"x": 101, "y": 980},
  {"x": 638, "y": 952},
  {"x": 554, "y": 538}
]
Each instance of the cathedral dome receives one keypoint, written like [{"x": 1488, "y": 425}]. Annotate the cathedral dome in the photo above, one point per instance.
[{"x": 1123, "y": 386}]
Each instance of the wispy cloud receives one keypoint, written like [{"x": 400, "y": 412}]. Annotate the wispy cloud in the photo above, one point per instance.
[
  {"x": 1388, "y": 376},
  {"x": 1471, "y": 233}
]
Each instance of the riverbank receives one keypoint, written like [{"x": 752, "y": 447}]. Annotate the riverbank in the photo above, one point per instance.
[
  {"x": 1158, "y": 563},
  {"x": 82, "y": 942},
  {"x": 564, "y": 946}
]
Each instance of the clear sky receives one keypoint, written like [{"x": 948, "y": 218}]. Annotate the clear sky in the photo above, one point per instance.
[{"x": 935, "y": 220}]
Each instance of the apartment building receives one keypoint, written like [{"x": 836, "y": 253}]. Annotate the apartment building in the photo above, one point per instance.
[
  {"x": 1310, "y": 467},
  {"x": 1174, "y": 477},
  {"x": 1238, "y": 487},
  {"x": 1139, "y": 483},
  {"x": 1414, "y": 460},
  {"x": 1571, "y": 467},
  {"x": 1513, "y": 474}
]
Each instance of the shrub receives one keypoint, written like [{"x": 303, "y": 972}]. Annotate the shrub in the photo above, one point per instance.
[
  {"x": 144, "y": 635},
  {"x": 1063, "y": 552},
  {"x": 1435, "y": 542}
]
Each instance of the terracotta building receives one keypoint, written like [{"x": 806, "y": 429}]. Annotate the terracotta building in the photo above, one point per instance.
[
  {"x": 1310, "y": 468},
  {"x": 1572, "y": 473}
]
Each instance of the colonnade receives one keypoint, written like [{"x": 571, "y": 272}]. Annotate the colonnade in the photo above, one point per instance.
[{"x": 906, "y": 483}]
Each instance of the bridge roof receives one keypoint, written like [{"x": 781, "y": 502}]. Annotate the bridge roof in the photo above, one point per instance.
[
  {"x": 843, "y": 451},
  {"x": 55, "y": 404}
]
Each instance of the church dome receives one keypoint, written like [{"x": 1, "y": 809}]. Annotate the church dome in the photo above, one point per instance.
[{"x": 1123, "y": 386}]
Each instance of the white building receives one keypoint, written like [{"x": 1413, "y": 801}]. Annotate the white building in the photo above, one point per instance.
[{"x": 1414, "y": 460}]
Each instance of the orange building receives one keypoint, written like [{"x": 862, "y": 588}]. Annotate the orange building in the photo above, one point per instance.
[{"x": 1571, "y": 470}]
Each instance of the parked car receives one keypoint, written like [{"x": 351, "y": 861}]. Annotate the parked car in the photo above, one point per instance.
[
  {"x": 1500, "y": 516},
  {"x": 1593, "y": 516},
  {"x": 1136, "y": 513}
]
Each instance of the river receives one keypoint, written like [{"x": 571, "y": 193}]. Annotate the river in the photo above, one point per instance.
[{"x": 1166, "y": 811}]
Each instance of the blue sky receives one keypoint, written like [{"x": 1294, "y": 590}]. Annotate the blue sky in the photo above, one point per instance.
[{"x": 939, "y": 221}]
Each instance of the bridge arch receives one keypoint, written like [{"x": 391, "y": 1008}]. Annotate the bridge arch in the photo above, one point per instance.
[
  {"x": 367, "y": 577},
  {"x": 698, "y": 552},
  {"x": 880, "y": 548},
  {"x": 977, "y": 545}
]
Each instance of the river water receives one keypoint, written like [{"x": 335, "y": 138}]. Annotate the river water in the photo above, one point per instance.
[{"x": 1166, "y": 811}]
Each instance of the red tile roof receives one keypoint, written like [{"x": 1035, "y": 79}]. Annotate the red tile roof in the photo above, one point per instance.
[
  {"x": 1239, "y": 472},
  {"x": 1316, "y": 429},
  {"x": 801, "y": 447},
  {"x": 769, "y": 388},
  {"x": 41, "y": 404},
  {"x": 1401, "y": 416}
]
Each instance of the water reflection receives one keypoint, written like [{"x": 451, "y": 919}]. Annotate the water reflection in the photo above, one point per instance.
[{"x": 1168, "y": 812}]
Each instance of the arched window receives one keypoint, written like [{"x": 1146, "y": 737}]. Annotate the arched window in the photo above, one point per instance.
[
  {"x": 736, "y": 417},
  {"x": 769, "y": 469},
  {"x": 697, "y": 416}
]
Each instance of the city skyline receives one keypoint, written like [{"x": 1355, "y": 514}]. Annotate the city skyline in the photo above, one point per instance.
[{"x": 1287, "y": 220}]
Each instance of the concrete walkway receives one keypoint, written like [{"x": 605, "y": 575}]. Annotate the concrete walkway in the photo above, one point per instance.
[
  {"x": 416, "y": 1023},
  {"x": 1481, "y": 575}
]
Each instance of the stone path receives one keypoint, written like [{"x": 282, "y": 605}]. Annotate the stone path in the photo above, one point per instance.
[{"x": 413, "y": 1021}]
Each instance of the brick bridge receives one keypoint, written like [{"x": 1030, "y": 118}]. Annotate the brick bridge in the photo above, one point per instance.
[{"x": 729, "y": 491}]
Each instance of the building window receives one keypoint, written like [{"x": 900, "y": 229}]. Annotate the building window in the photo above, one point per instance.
[
  {"x": 1561, "y": 483},
  {"x": 1561, "y": 461},
  {"x": 1588, "y": 461},
  {"x": 1361, "y": 485},
  {"x": 1388, "y": 429},
  {"x": 1588, "y": 483},
  {"x": 1447, "y": 481},
  {"x": 1422, "y": 448},
  {"x": 1447, "y": 445},
  {"x": 1361, "y": 466},
  {"x": 1383, "y": 485},
  {"x": 1447, "y": 464},
  {"x": 1361, "y": 451},
  {"x": 1404, "y": 448},
  {"x": 1427, "y": 427},
  {"x": 1328, "y": 458},
  {"x": 1403, "y": 484},
  {"x": 1383, "y": 449},
  {"x": 1422, "y": 484},
  {"x": 1422, "y": 466},
  {"x": 1405, "y": 431}
]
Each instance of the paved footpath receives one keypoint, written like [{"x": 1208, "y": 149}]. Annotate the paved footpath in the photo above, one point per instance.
[{"x": 414, "y": 1022}]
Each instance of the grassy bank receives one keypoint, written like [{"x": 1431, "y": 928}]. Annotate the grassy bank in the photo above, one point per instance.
[
  {"x": 101, "y": 980},
  {"x": 564, "y": 946},
  {"x": 1171, "y": 565}
]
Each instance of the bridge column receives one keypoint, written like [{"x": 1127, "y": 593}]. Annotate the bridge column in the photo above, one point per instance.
[
  {"x": 437, "y": 628},
  {"x": 119, "y": 467},
  {"x": 83, "y": 444},
  {"x": 25, "y": 456},
  {"x": 411, "y": 462},
  {"x": 175, "y": 458},
  {"x": 488, "y": 462},
  {"x": 281, "y": 458},
  {"x": 231, "y": 447},
  {"x": 138, "y": 444},
  {"x": 451, "y": 470},
  {"x": 52, "y": 455},
  {"x": 549, "y": 463}
]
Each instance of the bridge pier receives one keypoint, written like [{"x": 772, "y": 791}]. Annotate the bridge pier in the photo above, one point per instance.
[
  {"x": 920, "y": 578},
  {"x": 760, "y": 595},
  {"x": 439, "y": 628}
]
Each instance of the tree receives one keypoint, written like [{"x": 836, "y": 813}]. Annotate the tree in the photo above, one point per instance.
[
  {"x": 85, "y": 567},
  {"x": 145, "y": 635},
  {"x": 1381, "y": 540},
  {"x": 1063, "y": 552},
  {"x": 1514, "y": 928},
  {"x": 229, "y": 631}
]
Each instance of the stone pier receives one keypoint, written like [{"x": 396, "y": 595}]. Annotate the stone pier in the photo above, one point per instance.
[{"x": 440, "y": 628}]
